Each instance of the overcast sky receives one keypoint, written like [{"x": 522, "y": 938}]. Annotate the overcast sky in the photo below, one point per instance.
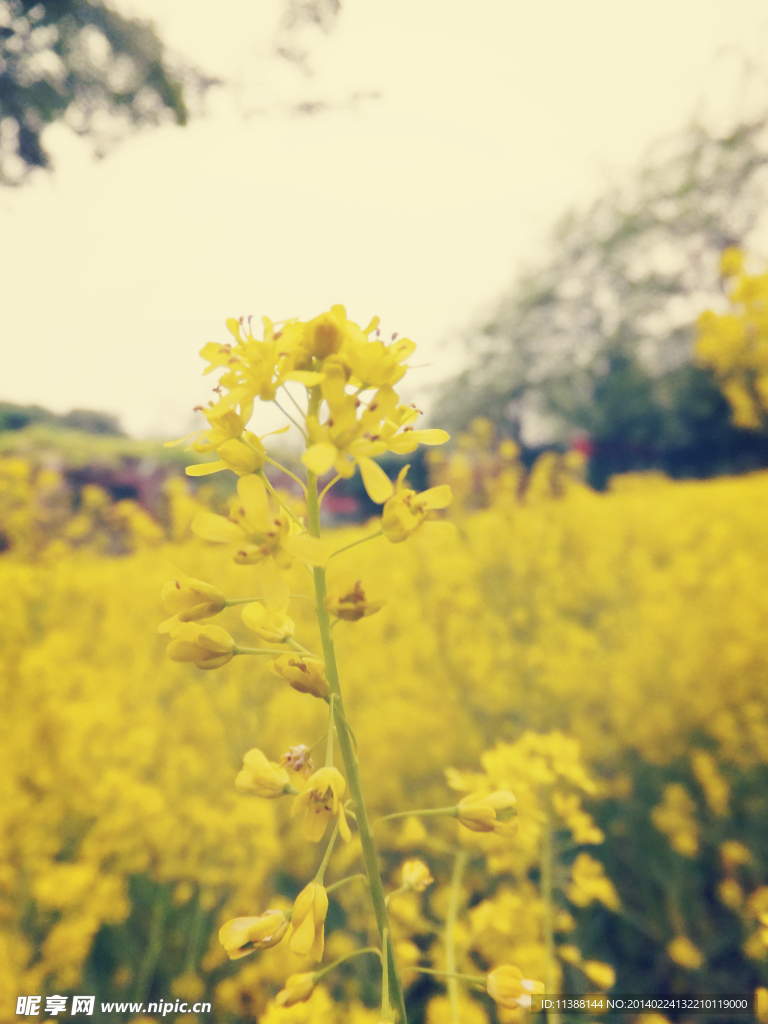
[{"x": 454, "y": 135}]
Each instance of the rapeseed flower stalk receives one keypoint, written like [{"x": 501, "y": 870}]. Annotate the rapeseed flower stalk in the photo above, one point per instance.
[{"x": 352, "y": 415}]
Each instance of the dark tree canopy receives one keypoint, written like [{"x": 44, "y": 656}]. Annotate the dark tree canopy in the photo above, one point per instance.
[
  {"x": 84, "y": 63},
  {"x": 600, "y": 340}
]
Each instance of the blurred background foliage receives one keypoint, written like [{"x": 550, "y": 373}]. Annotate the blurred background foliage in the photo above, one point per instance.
[{"x": 596, "y": 344}]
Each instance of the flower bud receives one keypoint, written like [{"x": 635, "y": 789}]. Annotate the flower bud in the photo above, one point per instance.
[
  {"x": 324, "y": 335},
  {"x": 416, "y": 875},
  {"x": 261, "y": 777},
  {"x": 271, "y": 624},
  {"x": 205, "y": 646},
  {"x": 308, "y": 921},
  {"x": 303, "y": 673},
  {"x": 298, "y": 988},
  {"x": 243, "y": 935},
  {"x": 507, "y": 987},
  {"x": 188, "y": 599},
  {"x": 489, "y": 812}
]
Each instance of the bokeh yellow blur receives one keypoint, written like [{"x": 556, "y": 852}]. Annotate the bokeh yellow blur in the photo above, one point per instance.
[{"x": 609, "y": 649}]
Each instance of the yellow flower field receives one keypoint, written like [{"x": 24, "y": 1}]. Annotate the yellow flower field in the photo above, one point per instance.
[{"x": 607, "y": 649}]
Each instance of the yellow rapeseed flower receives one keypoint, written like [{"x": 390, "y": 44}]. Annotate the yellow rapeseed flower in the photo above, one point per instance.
[
  {"x": 406, "y": 510},
  {"x": 270, "y": 623},
  {"x": 684, "y": 953},
  {"x": 305, "y": 674},
  {"x": 188, "y": 599},
  {"x": 243, "y": 935},
  {"x": 489, "y": 812},
  {"x": 261, "y": 777},
  {"x": 508, "y": 988},
  {"x": 298, "y": 988},
  {"x": 602, "y": 974},
  {"x": 263, "y": 538},
  {"x": 416, "y": 875},
  {"x": 205, "y": 646},
  {"x": 321, "y": 801},
  {"x": 308, "y": 921},
  {"x": 347, "y": 600}
]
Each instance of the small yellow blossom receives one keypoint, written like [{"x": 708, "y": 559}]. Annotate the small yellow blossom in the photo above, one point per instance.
[
  {"x": 761, "y": 1005},
  {"x": 571, "y": 954},
  {"x": 602, "y": 974},
  {"x": 308, "y": 921},
  {"x": 205, "y": 646},
  {"x": 320, "y": 802},
  {"x": 298, "y": 759},
  {"x": 263, "y": 538},
  {"x": 733, "y": 854},
  {"x": 348, "y": 601},
  {"x": 416, "y": 875},
  {"x": 406, "y": 510},
  {"x": 269, "y": 623},
  {"x": 591, "y": 883},
  {"x": 243, "y": 935},
  {"x": 261, "y": 777},
  {"x": 507, "y": 987},
  {"x": 305, "y": 674},
  {"x": 188, "y": 599},
  {"x": 298, "y": 988},
  {"x": 489, "y": 812},
  {"x": 684, "y": 953}
]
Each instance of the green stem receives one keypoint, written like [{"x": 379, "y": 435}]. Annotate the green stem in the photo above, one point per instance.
[
  {"x": 281, "y": 467},
  {"x": 459, "y": 864},
  {"x": 231, "y": 601},
  {"x": 298, "y": 648},
  {"x": 396, "y": 892},
  {"x": 343, "y": 881},
  {"x": 432, "y": 812},
  {"x": 386, "y": 1009},
  {"x": 371, "y": 536},
  {"x": 329, "y": 745},
  {"x": 368, "y": 844},
  {"x": 327, "y": 855},
  {"x": 328, "y": 487},
  {"x": 547, "y": 861},
  {"x": 358, "y": 952}
]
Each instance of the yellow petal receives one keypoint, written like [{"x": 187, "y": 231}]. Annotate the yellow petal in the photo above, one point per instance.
[
  {"x": 303, "y": 936},
  {"x": 344, "y": 832},
  {"x": 215, "y": 528},
  {"x": 172, "y": 444},
  {"x": 320, "y": 457},
  {"x": 253, "y": 495},
  {"x": 276, "y": 591},
  {"x": 376, "y": 482},
  {"x": 205, "y": 468},
  {"x": 308, "y": 549},
  {"x": 314, "y": 824},
  {"x": 437, "y": 497}
]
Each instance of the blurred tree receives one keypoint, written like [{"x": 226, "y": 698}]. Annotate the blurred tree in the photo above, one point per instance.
[
  {"x": 86, "y": 64},
  {"x": 17, "y": 417},
  {"x": 102, "y": 73},
  {"x": 599, "y": 341}
]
